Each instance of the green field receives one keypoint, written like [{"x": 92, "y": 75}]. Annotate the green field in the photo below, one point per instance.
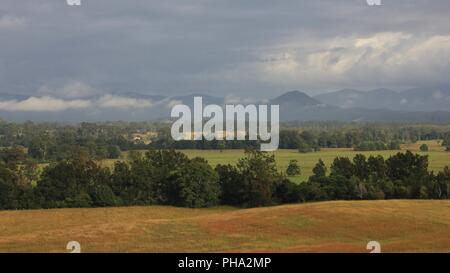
[
  {"x": 438, "y": 157},
  {"x": 338, "y": 226}
]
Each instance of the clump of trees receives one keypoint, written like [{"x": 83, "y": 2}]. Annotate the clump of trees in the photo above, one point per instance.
[
  {"x": 159, "y": 177},
  {"x": 162, "y": 177},
  {"x": 168, "y": 177},
  {"x": 423, "y": 148},
  {"x": 446, "y": 140},
  {"x": 47, "y": 142},
  {"x": 403, "y": 175},
  {"x": 252, "y": 180},
  {"x": 293, "y": 168}
]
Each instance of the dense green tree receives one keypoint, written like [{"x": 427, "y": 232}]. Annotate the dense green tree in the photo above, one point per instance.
[
  {"x": 319, "y": 170},
  {"x": 231, "y": 183},
  {"x": 8, "y": 188},
  {"x": 387, "y": 187},
  {"x": 424, "y": 148},
  {"x": 289, "y": 139},
  {"x": 259, "y": 175},
  {"x": 313, "y": 190},
  {"x": 113, "y": 151},
  {"x": 361, "y": 166},
  {"x": 286, "y": 192},
  {"x": 377, "y": 167},
  {"x": 407, "y": 165},
  {"x": 122, "y": 184},
  {"x": 68, "y": 183},
  {"x": 293, "y": 168},
  {"x": 103, "y": 196},
  {"x": 441, "y": 188},
  {"x": 195, "y": 185},
  {"x": 342, "y": 166},
  {"x": 304, "y": 147},
  {"x": 166, "y": 166},
  {"x": 38, "y": 148}
]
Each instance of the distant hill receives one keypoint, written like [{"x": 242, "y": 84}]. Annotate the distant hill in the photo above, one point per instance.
[
  {"x": 297, "y": 98},
  {"x": 411, "y": 100},
  {"x": 297, "y": 106},
  {"x": 380, "y": 105}
]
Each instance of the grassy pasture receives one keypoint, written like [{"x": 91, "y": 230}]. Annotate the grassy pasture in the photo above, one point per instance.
[
  {"x": 338, "y": 226},
  {"x": 438, "y": 158}
]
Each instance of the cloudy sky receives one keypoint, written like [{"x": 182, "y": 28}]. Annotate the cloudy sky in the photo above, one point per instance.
[{"x": 246, "y": 48}]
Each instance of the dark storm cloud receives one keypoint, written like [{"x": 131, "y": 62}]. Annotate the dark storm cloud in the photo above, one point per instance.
[{"x": 251, "y": 48}]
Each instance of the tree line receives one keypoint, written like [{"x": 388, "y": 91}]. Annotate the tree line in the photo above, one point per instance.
[
  {"x": 47, "y": 142},
  {"x": 314, "y": 136},
  {"x": 168, "y": 177}
]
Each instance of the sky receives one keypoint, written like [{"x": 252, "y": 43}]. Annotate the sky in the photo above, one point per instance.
[{"x": 58, "y": 53}]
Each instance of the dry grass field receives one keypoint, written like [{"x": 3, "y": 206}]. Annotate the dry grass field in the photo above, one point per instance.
[{"x": 340, "y": 226}]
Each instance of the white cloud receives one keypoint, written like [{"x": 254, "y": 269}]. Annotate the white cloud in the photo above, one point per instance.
[
  {"x": 114, "y": 101},
  {"x": 382, "y": 58},
  {"x": 52, "y": 104},
  {"x": 171, "y": 103},
  {"x": 43, "y": 104}
]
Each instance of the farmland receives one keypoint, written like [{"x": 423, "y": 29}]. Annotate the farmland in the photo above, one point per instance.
[
  {"x": 330, "y": 226},
  {"x": 337, "y": 226},
  {"x": 438, "y": 157}
]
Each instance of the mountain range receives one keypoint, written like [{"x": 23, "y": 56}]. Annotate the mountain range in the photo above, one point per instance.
[
  {"x": 416, "y": 99},
  {"x": 381, "y": 105}
]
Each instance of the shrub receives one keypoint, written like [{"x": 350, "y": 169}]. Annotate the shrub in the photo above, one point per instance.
[
  {"x": 293, "y": 168},
  {"x": 424, "y": 147}
]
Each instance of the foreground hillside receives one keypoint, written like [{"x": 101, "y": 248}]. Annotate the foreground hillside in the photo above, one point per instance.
[{"x": 340, "y": 226}]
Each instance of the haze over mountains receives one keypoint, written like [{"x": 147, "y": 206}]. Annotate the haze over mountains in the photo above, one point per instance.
[
  {"x": 384, "y": 105},
  {"x": 416, "y": 99}
]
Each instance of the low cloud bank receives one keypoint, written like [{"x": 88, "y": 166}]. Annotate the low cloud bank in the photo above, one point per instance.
[{"x": 52, "y": 104}]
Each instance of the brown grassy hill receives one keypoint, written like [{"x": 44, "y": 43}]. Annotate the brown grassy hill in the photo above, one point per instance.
[{"x": 341, "y": 226}]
